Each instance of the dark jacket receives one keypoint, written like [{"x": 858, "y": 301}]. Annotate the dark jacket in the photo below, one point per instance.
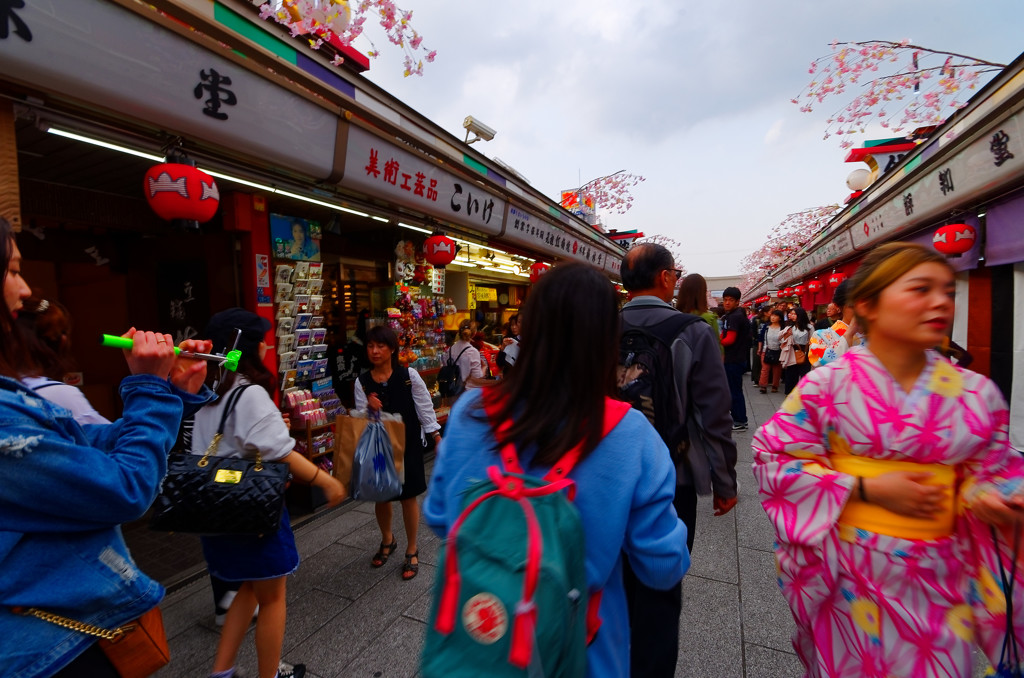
[
  {"x": 703, "y": 396},
  {"x": 736, "y": 321}
]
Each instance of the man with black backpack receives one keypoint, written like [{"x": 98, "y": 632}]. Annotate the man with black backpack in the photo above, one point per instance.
[{"x": 671, "y": 369}]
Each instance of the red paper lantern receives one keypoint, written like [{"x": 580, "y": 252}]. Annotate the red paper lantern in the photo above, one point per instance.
[
  {"x": 788, "y": 292},
  {"x": 177, "y": 191},
  {"x": 439, "y": 250},
  {"x": 954, "y": 239},
  {"x": 836, "y": 279},
  {"x": 814, "y": 286},
  {"x": 538, "y": 269},
  {"x": 799, "y": 290}
]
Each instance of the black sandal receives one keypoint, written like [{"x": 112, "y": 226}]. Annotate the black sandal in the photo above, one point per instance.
[
  {"x": 383, "y": 553},
  {"x": 409, "y": 570}
]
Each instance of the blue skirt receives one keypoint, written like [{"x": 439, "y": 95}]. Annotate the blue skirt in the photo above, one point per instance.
[{"x": 247, "y": 557}]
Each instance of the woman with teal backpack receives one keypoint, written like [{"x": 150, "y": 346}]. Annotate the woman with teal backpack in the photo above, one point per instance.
[{"x": 621, "y": 483}]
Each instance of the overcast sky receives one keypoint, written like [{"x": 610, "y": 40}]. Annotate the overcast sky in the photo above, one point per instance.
[{"x": 693, "y": 95}]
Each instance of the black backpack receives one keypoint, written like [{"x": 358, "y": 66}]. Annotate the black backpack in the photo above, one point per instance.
[
  {"x": 449, "y": 377},
  {"x": 646, "y": 378}
]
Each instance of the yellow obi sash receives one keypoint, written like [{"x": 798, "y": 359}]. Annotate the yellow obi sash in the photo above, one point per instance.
[{"x": 874, "y": 518}]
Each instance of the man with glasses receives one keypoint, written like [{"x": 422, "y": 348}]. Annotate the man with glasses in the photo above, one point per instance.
[
  {"x": 736, "y": 340},
  {"x": 697, "y": 436}
]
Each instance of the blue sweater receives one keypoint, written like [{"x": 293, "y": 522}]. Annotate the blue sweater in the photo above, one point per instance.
[{"x": 624, "y": 496}]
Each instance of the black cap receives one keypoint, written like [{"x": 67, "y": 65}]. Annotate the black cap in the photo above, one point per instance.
[
  {"x": 732, "y": 293},
  {"x": 223, "y": 327}
]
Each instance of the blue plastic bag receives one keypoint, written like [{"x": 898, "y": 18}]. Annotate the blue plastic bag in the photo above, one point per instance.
[{"x": 374, "y": 477}]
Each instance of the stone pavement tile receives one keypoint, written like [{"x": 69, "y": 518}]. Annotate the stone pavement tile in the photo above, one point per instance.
[
  {"x": 323, "y": 566},
  {"x": 187, "y": 607},
  {"x": 420, "y": 608},
  {"x": 394, "y": 654},
  {"x": 766, "y": 617},
  {"x": 192, "y": 653},
  {"x": 331, "y": 649},
  {"x": 714, "y": 547},
  {"x": 311, "y": 612},
  {"x": 754, "y": 530},
  {"x": 709, "y": 630},
  {"x": 764, "y": 662},
  {"x": 313, "y": 537}
]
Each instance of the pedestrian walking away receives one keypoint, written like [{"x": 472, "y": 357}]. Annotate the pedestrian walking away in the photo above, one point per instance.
[
  {"x": 551, "y": 399},
  {"x": 691, "y": 414}
]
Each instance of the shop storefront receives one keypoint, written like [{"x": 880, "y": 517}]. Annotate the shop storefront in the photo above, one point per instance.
[
  {"x": 960, "y": 192},
  {"x": 328, "y": 188}
]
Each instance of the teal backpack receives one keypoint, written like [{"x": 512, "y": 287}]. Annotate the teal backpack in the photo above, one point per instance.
[{"x": 510, "y": 597}]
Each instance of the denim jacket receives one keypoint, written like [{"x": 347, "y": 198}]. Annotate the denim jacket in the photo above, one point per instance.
[{"x": 64, "y": 491}]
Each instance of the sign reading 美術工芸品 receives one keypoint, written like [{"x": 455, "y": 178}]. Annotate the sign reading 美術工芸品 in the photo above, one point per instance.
[{"x": 383, "y": 169}]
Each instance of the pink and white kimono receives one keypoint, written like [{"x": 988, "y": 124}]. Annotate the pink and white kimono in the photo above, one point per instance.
[{"x": 869, "y": 604}]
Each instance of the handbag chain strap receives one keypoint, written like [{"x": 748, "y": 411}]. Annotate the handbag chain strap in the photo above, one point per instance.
[
  {"x": 74, "y": 625},
  {"x": 229, "y": 407}
]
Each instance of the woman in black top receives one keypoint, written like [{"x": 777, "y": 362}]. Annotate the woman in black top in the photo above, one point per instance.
[{"x": 389, "y": 387}]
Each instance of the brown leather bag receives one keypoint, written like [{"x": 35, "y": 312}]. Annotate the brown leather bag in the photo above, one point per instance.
[
  {"x": 799, "y": 356},
  {"x": 136, "y": 649}
]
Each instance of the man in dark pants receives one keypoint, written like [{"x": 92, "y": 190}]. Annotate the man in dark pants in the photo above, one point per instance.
[
  {"x": 736, "y": 340},
  {"x": 705, "y": 461}
]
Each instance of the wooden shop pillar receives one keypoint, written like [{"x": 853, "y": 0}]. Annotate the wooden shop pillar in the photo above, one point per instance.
[{"x": 10, "y": 196}]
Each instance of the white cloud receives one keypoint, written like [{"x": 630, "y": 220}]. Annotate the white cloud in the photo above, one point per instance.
[{"x": 774, "y": 132}]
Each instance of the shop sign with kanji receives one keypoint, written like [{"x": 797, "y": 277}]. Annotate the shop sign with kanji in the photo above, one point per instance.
[
  {"x": 539, "y": 235},
  {"x": 384, "y": 170}
]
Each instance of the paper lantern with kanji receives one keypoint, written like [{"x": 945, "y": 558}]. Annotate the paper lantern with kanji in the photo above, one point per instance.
[
  {"x": 836, "y": 279},
  {"x": 177, "y": 191},
  {"x": 439, "y": 250},
  {"x": 815, "y": 286},
  {"x": 787, "y": 292},
  {"x": 538, "y": 269},
  {"x": 954, "y": 239},
  {"x": 799, "y": 290}
]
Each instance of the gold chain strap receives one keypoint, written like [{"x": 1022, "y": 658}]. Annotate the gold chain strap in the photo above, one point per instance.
[
  {"x": 74, "y": 625},
  {"x": 212, "y": 449}
]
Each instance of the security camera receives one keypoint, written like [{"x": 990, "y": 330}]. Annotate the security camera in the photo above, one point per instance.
[{"x": 480, "y": 130}]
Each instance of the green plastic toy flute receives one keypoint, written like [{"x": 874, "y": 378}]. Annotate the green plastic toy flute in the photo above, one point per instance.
[{"x": 230, "y": 361}]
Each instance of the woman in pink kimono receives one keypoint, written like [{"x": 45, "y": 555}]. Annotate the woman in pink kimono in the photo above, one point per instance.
[{"x": 882, "y": 474}]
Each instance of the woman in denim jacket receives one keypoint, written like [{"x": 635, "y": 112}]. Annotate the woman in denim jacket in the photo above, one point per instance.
[{"x": 65, "y": 489}]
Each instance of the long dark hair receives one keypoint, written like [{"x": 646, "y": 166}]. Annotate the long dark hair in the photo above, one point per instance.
[
  {"x": 555, "y": 396},
  {"x": 14, "y": 359},
  {"x": 802, "y": 321},
  {"x": 46, "y": 329},
  {"x": 693, "y": 294}
]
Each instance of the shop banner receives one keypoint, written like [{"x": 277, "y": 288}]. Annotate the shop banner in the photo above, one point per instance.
[
  {"x": 533, "y": 233},
  {"x": 836, "y": 248},
  {"x": 994, "y": 158},
  {"x": 109, "y": 57},
  {"x": 1004, "y": 232},
  {"x": 383, "y": 170}
]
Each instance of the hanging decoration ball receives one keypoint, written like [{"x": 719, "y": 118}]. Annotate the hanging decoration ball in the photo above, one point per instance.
[
  {"x": 858, "y": 180},
  {"x": 799, "y": 290},
  {"x": 177, "y": 191},
  {"x": 815, "y": 286},
  {"x": 787, "y": 292},
  {"x": 538, "y": 269},
  {"x": 439, "y": 250},
  {"x": 954, "y": 239},
  {"x": 836, "y": 279}
]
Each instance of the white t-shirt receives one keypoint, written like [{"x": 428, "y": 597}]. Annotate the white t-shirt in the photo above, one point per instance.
[
  {"x": 69, "y": 397},
  {"x": 469, "y": 363},
  {"x": 255, "y": 424}
]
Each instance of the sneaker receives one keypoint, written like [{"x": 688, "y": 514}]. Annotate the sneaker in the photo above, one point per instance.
[
  {"x": 739, "y": 426},
  {"x": 286, "y": 670}
]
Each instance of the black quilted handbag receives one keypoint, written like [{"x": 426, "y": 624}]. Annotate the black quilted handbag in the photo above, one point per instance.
[{"x": 219, "y": 495}]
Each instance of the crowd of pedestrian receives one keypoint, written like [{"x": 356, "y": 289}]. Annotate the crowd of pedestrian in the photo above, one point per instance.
[{"x": 886, "y": 474}]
